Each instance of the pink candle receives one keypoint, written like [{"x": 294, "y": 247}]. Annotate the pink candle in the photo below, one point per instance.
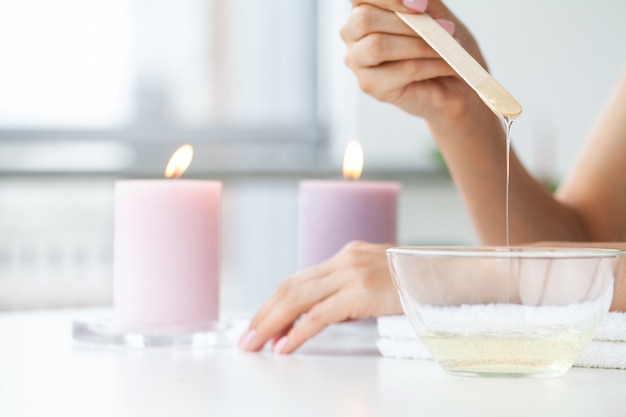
[
  {"x": 166, "y": 253},
  {"x": 333, "y": 213}
]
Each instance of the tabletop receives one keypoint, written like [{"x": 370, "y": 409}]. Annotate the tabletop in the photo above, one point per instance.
[{"x": 43, "y": 371}]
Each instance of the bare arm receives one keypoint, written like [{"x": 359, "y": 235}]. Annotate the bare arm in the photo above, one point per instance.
[
  {"x": 597, "y": 185},
  {"x": 590, "y": 206},
  {"x": 476, "y": 158},
  {"x": 394, "y": 65}
]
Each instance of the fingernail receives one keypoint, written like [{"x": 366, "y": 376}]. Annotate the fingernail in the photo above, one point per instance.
[
  {"x": 280, "y": 346},
  {"x": 246, "y": 339},
  {"x": 417, "y": 5},
  {"x": 448, "y": 25}
]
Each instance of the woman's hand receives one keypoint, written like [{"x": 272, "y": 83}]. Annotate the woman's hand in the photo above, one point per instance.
[
  {"x": 395, "y": 65},
  {"x": 353, "y": 284}
]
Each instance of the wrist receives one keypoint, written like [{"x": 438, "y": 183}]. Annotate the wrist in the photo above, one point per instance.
[{"x": 470, "y": 121}]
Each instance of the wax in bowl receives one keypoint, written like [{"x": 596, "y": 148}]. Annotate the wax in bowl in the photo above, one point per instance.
[{"x": 504, "y": 311}]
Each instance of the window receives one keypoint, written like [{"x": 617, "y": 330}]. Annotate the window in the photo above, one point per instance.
[{"x": 116, "y": 85}]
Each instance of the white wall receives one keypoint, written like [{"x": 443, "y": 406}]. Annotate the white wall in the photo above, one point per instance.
[{"x": 559, "y": 58}]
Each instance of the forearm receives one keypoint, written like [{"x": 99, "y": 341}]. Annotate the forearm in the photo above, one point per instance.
[
  {"x": 597, "y": 184},
  {"x": 474, "y": 148}
]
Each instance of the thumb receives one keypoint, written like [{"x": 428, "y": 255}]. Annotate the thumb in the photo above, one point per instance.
[{"x": 435, "y": 8}]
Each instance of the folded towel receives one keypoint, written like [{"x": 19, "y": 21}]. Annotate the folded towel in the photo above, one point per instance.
[{"x": 397, "y": 339}]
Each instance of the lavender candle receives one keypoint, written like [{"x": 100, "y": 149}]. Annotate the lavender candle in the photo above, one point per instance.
[{"x": 334, "y": 212}]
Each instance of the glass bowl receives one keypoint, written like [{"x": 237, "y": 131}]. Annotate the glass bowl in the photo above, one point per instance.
[{"x": 498, "y": 311}]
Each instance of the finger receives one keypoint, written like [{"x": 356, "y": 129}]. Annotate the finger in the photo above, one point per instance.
[
  {"x": 286, "y": 312},
  {"x": 387, "y": 81},
  {"x": 282, "y": 311},
  {"x": 366, "y": 19},
  {"x": 435, "y": 8},
  {"x": 276, "y": 337},
  {"x": 318, "y": 278},
  {"x": 394, "y": 5},
  {"x": 289, "y": 287},
  {"x": 377, "y": 48},
  {"x": 249, "y": 341},
  {"x": 340, "y": 307}
]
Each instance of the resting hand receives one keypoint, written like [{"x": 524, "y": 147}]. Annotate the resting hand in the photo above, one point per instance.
[
  {"x": 353, "y": 284},
  {"x": 395, "y": 65}
]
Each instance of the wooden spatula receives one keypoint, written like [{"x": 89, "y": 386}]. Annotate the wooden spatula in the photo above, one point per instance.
[{"x": 489, "y": 90}]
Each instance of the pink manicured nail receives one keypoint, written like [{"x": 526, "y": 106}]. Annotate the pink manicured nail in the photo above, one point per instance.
[
  {"x": 246, "y": 339},
  {"x": 280, "y": 346},
  {"x": 417, "y": 5},
  {"x": 448, "y": 25}
]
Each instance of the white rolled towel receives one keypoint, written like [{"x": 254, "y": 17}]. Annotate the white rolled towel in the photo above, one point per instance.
[{"x": 397, "y": 339}]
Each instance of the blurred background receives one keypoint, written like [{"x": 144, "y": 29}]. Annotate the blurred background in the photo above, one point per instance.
[{"x": 92, "y": 91}]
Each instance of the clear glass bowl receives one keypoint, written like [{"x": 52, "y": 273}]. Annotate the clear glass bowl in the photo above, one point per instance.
[{"x": 497, "y": 311}]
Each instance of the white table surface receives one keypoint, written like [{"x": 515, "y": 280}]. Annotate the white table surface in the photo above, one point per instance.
[{"x": 43, "y": 372}]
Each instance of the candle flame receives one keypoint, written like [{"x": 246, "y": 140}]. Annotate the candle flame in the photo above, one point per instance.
[
  {"x": 353, "y": 161},
  {"x": 179, "y": 162}
]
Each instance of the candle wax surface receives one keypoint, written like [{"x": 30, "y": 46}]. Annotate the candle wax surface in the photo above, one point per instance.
[{"x": 335, "y": 212}]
